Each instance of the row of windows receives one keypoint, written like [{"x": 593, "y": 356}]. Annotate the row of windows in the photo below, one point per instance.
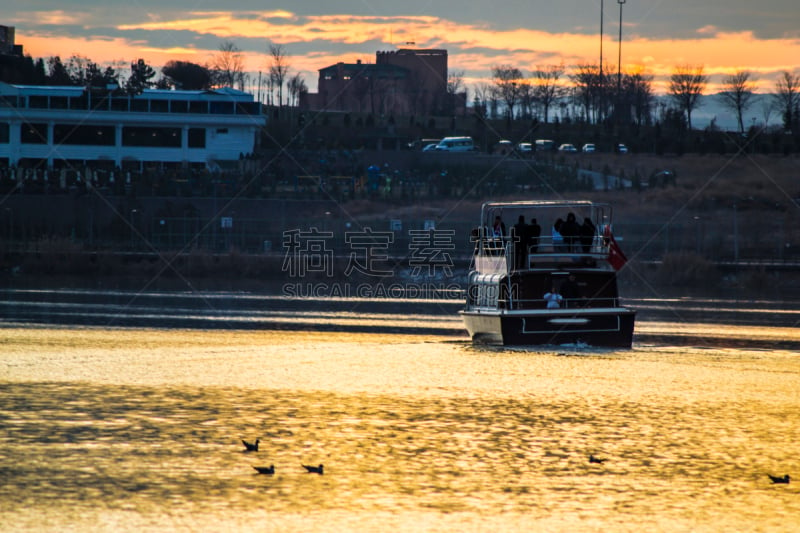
[
  {"x": 131, "y": 104},
  {"x": 73, "y": 134}
]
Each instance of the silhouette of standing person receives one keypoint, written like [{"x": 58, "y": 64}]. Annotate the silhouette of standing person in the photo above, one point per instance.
[
  {"x": 570, "y": 231},
  {"x": 520, "y": 236},
  {"x": 557, "y": 238},
  {"x": 498, "y": 234},
  {"x": 588, "y": 231},
  {"x": 570, "y": 291}
]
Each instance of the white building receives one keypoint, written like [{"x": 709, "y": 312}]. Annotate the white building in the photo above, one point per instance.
[{"x": 71, "y": 126}]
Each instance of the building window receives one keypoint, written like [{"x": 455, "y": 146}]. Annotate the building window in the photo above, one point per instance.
[
  {"x": 72, "y": 134},
  {"x": 199, "y": 108},
  {"x": 197, "y": 138},
  {"x": 222, "y": 131},
  {"x": 59, "y": 102},
  {"x": 37, "y": 102},
  {"x": 144, "y": 136},
  {"x": 79, "y": 102},
  {"x": 8, "y": 101},
  {"x": 179, "y": 106},
  {"x": 159, "y": 106},
  {"x": 33, "y": 133},
  {"x": 5, "y": 133},
  {"x": 119, "y": 104},
  {"x": 222, "y": 108}
]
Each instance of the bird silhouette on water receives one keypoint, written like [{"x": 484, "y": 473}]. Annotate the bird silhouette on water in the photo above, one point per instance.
[
  {"x": 250, "y": 446},
  {"x": 269, "y": 470},
  {"x": 313, "y": 469},
  {"x": 779, "y": 479},
  {"x": 597, "y": 460}
]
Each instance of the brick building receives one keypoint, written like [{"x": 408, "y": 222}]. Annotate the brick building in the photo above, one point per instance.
[{"x": 401, "y": 82}]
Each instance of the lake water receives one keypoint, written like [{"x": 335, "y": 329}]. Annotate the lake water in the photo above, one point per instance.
[{"x": 125, "y": 412}]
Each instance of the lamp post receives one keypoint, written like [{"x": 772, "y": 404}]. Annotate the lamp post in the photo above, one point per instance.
[
  {"x": 601, "y": 39},
  {"x": 600, "y": 79},
  {"x": 619, "y": 56}
]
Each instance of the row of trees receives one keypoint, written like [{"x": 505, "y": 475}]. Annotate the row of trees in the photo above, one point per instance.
[
  {"x": 596, "y": 95},
  {"x": 226, "y": 68},
  {"x": 622, "y": 97}
]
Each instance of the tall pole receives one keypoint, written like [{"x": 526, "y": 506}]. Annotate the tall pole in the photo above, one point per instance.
[
  {"x": 601, "y": 39},
  {"x": 600, "y": 81},
  {"x": 619, "y": 57}
]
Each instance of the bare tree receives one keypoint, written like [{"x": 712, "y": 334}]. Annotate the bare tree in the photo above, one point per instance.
[
  {"x": 296, "y": 86},
  {"x": 767, "y": 108},
  {"x": 638, "y": 88},
  {"x": 686, "y": 85},
  {"x": 737, "y": 95},
  {"x": 227, "y": 66},
  {"x": 278, "y": 68},
  {"x": 508, "y": 81},
  {"x": 589, "y": 90},
  {"x": 546, "y": 87},
  {"x": 787, "y": 97},
  {"x": 455, "y": 88},
  {"x": 480, "y": 102}
]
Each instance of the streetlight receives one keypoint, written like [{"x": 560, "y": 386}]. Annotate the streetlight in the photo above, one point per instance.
[
  {"x": 601, "y": 40},
  {"x": 619, "y": 57},
  {"x": 600, "y": 78}
]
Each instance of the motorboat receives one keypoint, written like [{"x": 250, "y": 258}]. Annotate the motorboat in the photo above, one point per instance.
[{"x": 547, "y": 278}]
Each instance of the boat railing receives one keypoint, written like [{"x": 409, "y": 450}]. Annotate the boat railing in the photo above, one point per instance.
[
  {"x": 567, "y": 303},
  {"x": 499, "y": 246}
]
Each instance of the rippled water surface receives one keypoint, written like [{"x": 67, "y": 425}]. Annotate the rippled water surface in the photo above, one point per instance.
[{"x": 139, "y": 429}]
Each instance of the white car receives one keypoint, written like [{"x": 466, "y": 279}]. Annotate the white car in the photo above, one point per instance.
[
  {"x": 566, "y": 147},
  {"x": 588, "y": 148},
  {"x": 525, "y": 148},
  {"x": 622, "y": 149}
]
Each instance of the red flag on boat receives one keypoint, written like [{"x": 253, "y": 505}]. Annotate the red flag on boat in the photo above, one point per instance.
[{"x": 616, "y": 258}]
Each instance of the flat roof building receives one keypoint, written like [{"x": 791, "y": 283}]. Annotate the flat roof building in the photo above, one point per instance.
[{"x": 43, "y": 126}]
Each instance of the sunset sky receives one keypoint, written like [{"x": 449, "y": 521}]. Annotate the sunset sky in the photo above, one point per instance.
[{"x": 721, "y": 35}]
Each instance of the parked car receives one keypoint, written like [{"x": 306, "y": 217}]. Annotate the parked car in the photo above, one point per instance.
[
  {"x": 525, "y": 148},
  {"x": 430, "y": 148},
  {"x": 622, "y": 149},
  {"x": 566, "y": 147},
  {"x": 588, "y": 148},
  {"x": 455, "y": 144},
  {"x": 503, "y": 147}
]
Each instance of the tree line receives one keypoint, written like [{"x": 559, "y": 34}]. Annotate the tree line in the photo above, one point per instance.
[
  {"x": 591, "y": 94},
  {"x": 225, "y": 68},
  {"x": 585, "y": 92}
]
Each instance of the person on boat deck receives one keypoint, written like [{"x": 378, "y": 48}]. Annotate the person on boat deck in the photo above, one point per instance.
[
  {"x": 588, "y": 231},
  {"x": 498, "y": 233},
  {"x": 534, "y": 232},
  {"x": 520, "y": 236},
  {"x": 558, "y": 239},
  {"x": 570, "y": 230},
  {"x": 499, "y": 227},
  {"x": 570, "y": 291},
  {"x": 552, "y": 298}
]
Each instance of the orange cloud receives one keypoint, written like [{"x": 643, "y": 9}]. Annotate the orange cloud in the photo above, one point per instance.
[{"x": 474, "y": 48}]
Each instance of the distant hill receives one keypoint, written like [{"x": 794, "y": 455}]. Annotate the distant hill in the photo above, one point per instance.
[{"x": 711, "y": 108}]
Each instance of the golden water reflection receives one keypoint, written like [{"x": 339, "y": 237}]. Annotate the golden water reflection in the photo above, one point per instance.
[{"x": 140, "y": 430}]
